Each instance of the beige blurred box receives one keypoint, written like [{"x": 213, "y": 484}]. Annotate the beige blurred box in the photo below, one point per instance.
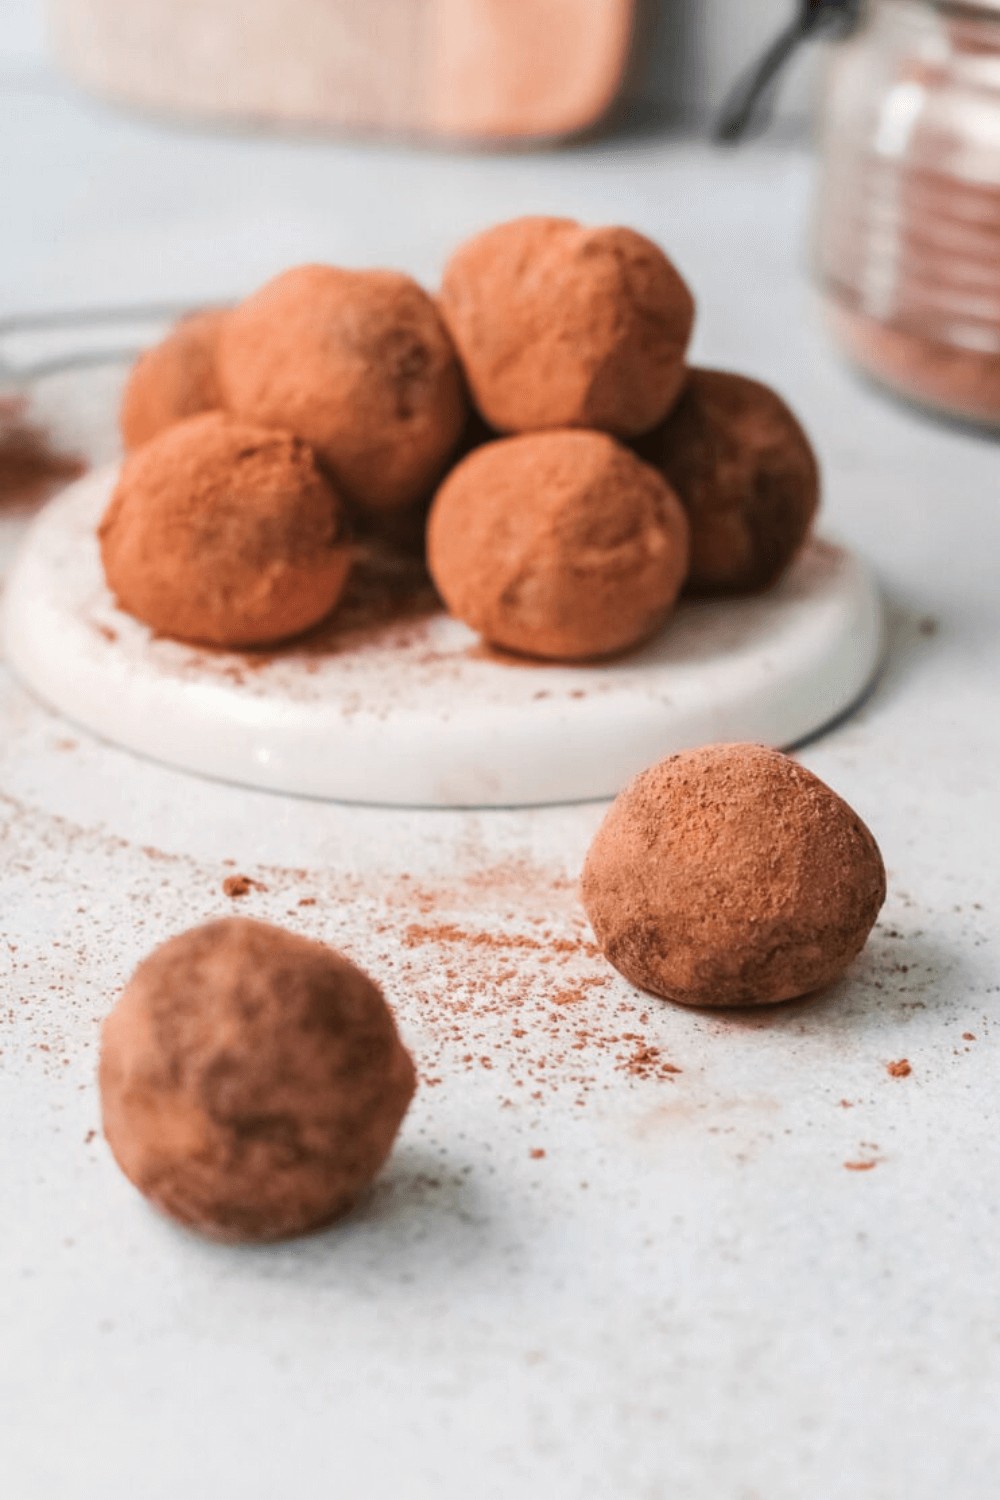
[{"x": 459, "y": 69}]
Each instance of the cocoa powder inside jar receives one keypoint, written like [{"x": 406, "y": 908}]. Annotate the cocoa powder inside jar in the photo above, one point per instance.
[{"x": 961, "y": 383}]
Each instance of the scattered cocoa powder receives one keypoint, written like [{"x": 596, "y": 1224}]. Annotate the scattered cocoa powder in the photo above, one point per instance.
[
  {"x": 558, "y": 544},
  {"x": 31, "y": 468},
  {"x": 559, "y": 325},
  {"x": 900, "y": 1069},
  {"x": 536, "y": 1153},
  {"x": 647, "y": 1061},
  {"x": 860, "y": 1166}
]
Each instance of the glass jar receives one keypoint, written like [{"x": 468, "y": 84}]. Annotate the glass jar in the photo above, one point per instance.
[{"x": 908, "y": 243}]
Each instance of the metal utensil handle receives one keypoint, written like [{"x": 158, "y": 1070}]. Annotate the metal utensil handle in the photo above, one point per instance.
[{"x": 749, "y": 97}]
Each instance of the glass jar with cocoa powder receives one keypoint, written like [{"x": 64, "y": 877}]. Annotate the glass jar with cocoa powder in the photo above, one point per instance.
[{"x": 908, "y": 241}]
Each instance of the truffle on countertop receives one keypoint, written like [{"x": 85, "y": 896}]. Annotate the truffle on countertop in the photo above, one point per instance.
[
  {"x": 745, "y": 473},
  {"x": 173, "y": 380},
  {"x": 560, "y": 545},
  {"x": 252, "y": 1082},
  {"x": 360, "y": 365},
  {"x": 559, "y": 325},
  {"x": 226, "y": 534},
  {"x": 731, "y": 875}
]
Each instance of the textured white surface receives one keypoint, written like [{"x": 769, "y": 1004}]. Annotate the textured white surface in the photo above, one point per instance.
[
  {"x": 722, "y": 1312},
  {"x": 414, "y": 713}
]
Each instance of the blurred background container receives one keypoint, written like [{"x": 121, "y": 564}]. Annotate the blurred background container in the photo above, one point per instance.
[
  {"x": 473, "y": 67},
  {"x": 908, "y": 240}
]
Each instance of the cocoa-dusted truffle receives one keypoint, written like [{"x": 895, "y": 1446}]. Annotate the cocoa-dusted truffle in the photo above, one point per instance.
[
  {"x": 559, "y": 325},
  {"x": 731, "y": 876},
  {"x": 225, "y": 533},
  {"x": 746, "y": 475},
  {"x": 252, "y": 1082},
  {"x": 359, "y": 364},
  {"x": 557, "y": 544},
  {"x": 173, "y": 380}
]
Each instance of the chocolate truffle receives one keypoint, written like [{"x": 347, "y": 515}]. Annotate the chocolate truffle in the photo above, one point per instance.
[
  {"x": 226, "y": 534},
  {"x": 252, "y": 1082},
  {"x": 559, "y": 325},
  {"x": 731, "y": 875},
  {"x": 746, "y": 475},
  {"x": 557, "y": 544},
  {"x": 359, "y": 363},
  {"x": 173, "y": 380}
]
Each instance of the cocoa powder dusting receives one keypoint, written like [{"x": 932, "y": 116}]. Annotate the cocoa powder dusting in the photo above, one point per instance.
[
  {"x": 31, "y": 467},
  {"x": 387, "y": 604},
  {"x": 520, "y": 999}
]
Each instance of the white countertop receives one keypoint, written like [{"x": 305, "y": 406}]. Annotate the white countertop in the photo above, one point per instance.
[{"x": 688, "y": 1294}]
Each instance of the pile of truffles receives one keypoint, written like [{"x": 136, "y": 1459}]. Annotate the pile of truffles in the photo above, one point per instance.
[
  {"x": 253, "y": 1082},
  {"x": 574, "y": 472}
]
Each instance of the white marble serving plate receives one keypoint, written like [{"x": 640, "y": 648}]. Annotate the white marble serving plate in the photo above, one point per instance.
[{"x": 414, "y": 711}]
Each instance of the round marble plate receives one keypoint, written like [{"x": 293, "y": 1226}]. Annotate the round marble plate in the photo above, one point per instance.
[{"x": 393, "y": 702}]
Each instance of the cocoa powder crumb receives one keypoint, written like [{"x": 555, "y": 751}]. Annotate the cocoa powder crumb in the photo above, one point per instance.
[
  {"x": 647, "y": 1061},
  {"x": 860, "y": 1166},
  {"x": 968, "y": 1036},
  {"x": 536, "y": 1153},
  {"x": 241, "y": 885},
  {"x": 900, "y": 1069}
]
